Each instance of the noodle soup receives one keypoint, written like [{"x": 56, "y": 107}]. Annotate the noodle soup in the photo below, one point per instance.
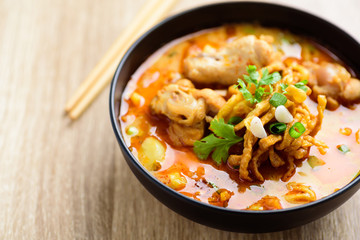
[{"x": 245, "y": 117}]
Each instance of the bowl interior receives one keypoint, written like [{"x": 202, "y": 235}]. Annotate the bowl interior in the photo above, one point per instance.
[{"x": 298, "y": 22}]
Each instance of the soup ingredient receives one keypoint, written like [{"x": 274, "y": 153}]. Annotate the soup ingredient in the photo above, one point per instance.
[
  {"x": 220, "y": 197},
  {"x": 334, "y": 81},
  {"x": 282, "y": 149},
  {"x": 266, "y": 79},
  {"x": 257, "y": 128},
  {"x": 225, "y": 66},
  {"x": 132, "y": 131},
  {"x": 219, "y": 144},
  {"x": 283, "y": 87},
  {"x": 278, "y": 99},
  {"x": 266, "y": 203},
  {"x": 299, "y": 193},
  {"x": 213, "y": 100},
  {"x": 235, "y": 120},
  {"x": 187, "y": 108},
  {"x": 345, "y": 131},
  {"x": 137, "y": 99},
  {"x": 297, "y": 130},
  {"x": 151, "y": 153},
  {"x": 343, "y": 148},
  {"x": 315, "y": 161},
  {"x": 352, "y": 90},
  {"x": 296, "y": 94},
  {"x": 357, "y": 136},
  {"x": 283, "y": 115},
  {"x": 174, "y": 179},
  {"x": 177, "y": 103},
  {"x": 277, "y": 128},
  {"x": 302, "y": 85}
]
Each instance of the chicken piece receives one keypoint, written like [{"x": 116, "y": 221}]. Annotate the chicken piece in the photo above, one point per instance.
[
  {"x": 352, "y": 90},
  {"x": 212, "y": 99},
  {"x": 179, "y": 105},
  {"x": 335, "y": 82},
  {"x": 186, "y": 107},
  {"x": 181, "y": 135},
  {"x": 185, "y": 83},
  {"x": 229, "y": 63}
]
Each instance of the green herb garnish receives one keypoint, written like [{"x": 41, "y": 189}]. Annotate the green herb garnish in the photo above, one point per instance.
[
  {"x": 301, "y": 85},
  {"x": 212, "y": 185},
  {"x": 278, "y": 99},
  {"x": 277, "y": 128},
  {"x": 297, "y": 130},
  {"x": 283, "y": 87},
  {"x": 315, "y": 161},
  {"x": 343, "y": 148},
  {"x": 234, "y": 120},
  {"x": 220, "y": 144},
  {"x": 266, "y": 79}
]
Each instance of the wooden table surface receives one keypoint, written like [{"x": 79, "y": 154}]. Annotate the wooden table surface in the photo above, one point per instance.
[{"x": 68, "y": 180}]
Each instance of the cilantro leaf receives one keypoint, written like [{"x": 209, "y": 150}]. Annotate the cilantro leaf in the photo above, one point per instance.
[
  {"x": 270, "y": 89},
  {"x": 206, "y": 145},
  {"x": 268, "y": 79},
  {"x": 220, "y": 144},
  {"x": 252, "y": 78},
  {"x": 283, "y": 87},
  {"x": 253, "y": 75},
  {"x": 221, "y": 129},
  {"x": 259, "y": 92},
  {"x": 234, "y": 120},
  {"x": 301, "y": 85},
  {"x": 245, "y": 92}
]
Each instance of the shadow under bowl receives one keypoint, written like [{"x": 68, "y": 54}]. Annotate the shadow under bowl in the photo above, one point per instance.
[{"x": 271, "y": 15}]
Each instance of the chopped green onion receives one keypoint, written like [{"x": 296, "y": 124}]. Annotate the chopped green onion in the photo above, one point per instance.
[
  {"x": 297, "y": 130},
  {"x": 343, "y": 148},
  {"x": 213, "y": 185},
  {"x": 234, "y": 120},
  {"x": 284, "y": 40},
  {"x": 278, "y": 99},
  {"x": 132, "y": 131},
  {"x": 314, "y": 161},
  {"x": 277, "y": 128}
]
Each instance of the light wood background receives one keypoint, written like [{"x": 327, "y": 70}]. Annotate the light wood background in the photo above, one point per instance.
[{"x": 64, "y": 180}]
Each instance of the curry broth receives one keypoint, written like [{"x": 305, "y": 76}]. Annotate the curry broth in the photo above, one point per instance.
[{"x": 204, "y": 178}]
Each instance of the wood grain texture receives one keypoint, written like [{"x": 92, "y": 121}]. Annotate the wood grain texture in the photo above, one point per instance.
[{"x": 63, "y": 180}]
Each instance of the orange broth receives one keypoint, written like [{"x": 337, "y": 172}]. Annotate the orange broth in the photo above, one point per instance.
[{"x": 165, "y": 66}]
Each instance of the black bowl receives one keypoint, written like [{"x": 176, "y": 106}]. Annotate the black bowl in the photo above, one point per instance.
[{"x": 330, "y": 36}]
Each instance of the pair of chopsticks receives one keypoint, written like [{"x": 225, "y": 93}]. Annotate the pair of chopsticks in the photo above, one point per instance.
[{"x": 100, "y": 76}]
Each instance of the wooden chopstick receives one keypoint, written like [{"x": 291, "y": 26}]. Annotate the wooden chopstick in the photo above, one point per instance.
[{"x": 101, "y": 75}]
